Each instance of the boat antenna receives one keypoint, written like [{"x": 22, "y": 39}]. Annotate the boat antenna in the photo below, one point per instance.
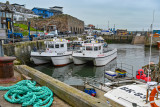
[{"x": 151, "y": 45}]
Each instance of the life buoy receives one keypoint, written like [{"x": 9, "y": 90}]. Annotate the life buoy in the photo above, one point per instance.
[{"x": 152, "y": 95}]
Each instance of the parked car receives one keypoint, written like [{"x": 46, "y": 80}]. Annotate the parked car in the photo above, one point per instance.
[
  {"x": 39, "y": 35},
  {"x": 52, "y": 34}
]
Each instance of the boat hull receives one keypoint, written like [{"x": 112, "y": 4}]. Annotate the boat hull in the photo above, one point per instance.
[
  {"x": 38, "y": 60},
  {"x": 105, "y": 60},
  {"x": 98, "y": 61},
  {"x": 61, "y": 60}
]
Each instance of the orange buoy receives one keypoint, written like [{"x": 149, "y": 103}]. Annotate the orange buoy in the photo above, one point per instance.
[{"x": 152, "y": 95}]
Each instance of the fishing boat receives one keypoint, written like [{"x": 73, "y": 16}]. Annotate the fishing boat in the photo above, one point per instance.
[
  {"x": 56, "y": 51},
  {"x": 94, "y": 52},
  {"x": 158, "y": 44}
]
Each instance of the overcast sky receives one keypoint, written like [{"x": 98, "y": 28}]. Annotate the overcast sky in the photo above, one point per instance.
[{"x": 125, "y": 14}]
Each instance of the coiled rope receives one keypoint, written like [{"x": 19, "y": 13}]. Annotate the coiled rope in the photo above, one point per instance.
[{"x": 26, "y": 93}]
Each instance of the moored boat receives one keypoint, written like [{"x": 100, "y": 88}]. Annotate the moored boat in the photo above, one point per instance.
[
  {"x": 56, "y": 51},
  {"x": 134, "y": 95},
  {"x": 94, "y": 52}
]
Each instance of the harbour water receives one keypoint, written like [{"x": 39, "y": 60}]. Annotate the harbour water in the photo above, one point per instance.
[{"x": 134, "y": 55}]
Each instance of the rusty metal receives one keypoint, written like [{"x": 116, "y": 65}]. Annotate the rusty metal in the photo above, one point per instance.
[{"x": 6, "y": 67}]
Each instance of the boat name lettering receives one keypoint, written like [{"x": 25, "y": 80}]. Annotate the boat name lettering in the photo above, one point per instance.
[
  {"x": 134, "y": 92},
  {"x": 101, "y": 55}
]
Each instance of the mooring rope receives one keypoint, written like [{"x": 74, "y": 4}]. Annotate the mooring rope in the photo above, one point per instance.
[{"x": 26, "y": 93}]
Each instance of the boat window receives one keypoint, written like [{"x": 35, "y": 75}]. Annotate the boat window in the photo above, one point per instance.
[
  {"x": 62, "y": 45},
  {"x": 56, "y": 45},
  {"x": 50, "y": 45},
  {"x": 99, "y": 47},
  {"x": 89, "y": 48},
  {"x": 95, "y": 48}
]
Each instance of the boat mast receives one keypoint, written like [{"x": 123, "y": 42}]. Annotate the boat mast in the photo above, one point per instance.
[
  {"x": 150, "y": 57},
  {"x": 151, "y": 45}
]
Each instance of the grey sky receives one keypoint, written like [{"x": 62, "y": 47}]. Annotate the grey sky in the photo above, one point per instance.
[{"x": 129, "y": 14}]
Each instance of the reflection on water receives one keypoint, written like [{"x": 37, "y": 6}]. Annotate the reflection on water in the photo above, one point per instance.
[
  {"x": 67, "y": 72},
  {"x": 135, "y": 55}
]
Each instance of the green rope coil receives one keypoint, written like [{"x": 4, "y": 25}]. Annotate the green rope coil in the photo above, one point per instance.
[{"x": 26, "y": 93}]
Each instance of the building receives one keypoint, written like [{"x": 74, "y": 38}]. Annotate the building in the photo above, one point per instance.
[
  {"x": 63, "y": 23},
  {"x": 121, "y": 32},
  {"x": 21, "y": 13},
  {"x": 57, "y": 8},
  {"x": 156, "y": 33},
  {"x": 47, "y": 13},
  {"x": 15, "y": 11},
  {"x": 91, "y": 26},
  {"x": 5, "y": 12}
]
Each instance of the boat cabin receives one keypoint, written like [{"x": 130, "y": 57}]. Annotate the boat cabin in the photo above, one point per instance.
[
  {"x": 56, "y": 46},
  {"x": 92, "y": 47},
  {"x": 78, "y": 43},
  {"x": 89, "y": 37}
]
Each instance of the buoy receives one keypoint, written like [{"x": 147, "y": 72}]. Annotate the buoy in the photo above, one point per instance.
[{"x": 152, "y": 95}]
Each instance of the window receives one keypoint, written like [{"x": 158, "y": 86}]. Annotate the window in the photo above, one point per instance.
[
  {"x": 88, "y": 48},
  {"x": 83, "y": 48},
  {"x": 62, "y": 45},
  {"x": 3, "y": 14},
  {"x": 50, "y": 45},
  {"x": 95, "y": 48},
  {"x": 56, "y": 45},
  {"x": 99, "y": 47},
  {"x": 0, "y": 14},
  {"x": 7, "y": 14}
]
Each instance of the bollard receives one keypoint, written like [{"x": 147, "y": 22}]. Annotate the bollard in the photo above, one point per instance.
[{"x": 6, "y": 67}]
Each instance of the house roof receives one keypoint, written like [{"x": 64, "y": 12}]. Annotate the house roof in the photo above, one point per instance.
[
  {"x": 50, "y": 10},
  {"x": 56, "y": 7}
]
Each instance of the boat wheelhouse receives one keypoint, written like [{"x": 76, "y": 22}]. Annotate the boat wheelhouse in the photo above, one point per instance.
[{"x": 94, "y": 52}]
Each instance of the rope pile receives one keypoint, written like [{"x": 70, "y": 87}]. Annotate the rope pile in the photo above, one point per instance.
[{"x": 26, "y": 93}]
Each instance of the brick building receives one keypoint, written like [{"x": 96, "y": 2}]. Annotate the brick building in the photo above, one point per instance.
[{"x": 64, "y": 23}]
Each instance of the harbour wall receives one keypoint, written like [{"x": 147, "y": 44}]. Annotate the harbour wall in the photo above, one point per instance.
[
  {"x": 73, "y": 96},
  {"x": 22, "y": 50},
  {"x": 138, "y": 40},
  {"x": 117, "y": 39}
]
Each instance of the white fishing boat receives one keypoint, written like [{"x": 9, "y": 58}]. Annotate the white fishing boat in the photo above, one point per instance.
[
  {"x": 94, "y": 52},
  {"x": 56, "y": 51}
]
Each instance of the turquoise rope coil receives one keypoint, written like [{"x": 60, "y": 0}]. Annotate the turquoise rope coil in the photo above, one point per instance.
[{"x": 26, "y": 93}]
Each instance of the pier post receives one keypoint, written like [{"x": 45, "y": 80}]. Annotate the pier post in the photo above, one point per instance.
[{"x": 1, "y": 49}]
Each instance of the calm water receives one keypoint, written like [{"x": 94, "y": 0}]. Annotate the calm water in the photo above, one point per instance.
[{"x": 135, "y": 55}]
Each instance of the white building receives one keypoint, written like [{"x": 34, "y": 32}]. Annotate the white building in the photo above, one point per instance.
[
  {"x": 23, "y": 16},
  {"x": 57, "y": 8},
  {"x": 21, "y": 13}
]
